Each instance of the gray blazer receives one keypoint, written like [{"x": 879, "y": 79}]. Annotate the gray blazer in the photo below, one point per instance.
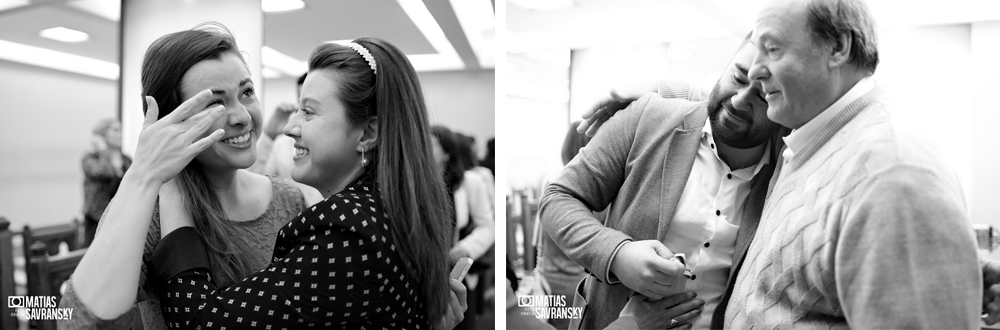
[{"x": 639, "y": 163}]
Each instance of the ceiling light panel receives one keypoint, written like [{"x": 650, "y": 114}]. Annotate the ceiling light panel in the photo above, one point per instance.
[{"x": 64, "y": 34}]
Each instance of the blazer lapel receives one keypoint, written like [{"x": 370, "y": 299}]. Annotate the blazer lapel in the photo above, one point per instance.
[{"x": 678, "y": 159}]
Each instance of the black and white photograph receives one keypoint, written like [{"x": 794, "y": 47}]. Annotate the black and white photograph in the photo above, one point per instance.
[
  {"x": 233, "y": 164},
  {"x": 764, "y": 164}
]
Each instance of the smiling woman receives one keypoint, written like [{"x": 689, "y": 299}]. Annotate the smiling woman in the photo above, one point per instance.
[
  {"x": 235, "y": 212},
  {"x": 374, "y": 252}
]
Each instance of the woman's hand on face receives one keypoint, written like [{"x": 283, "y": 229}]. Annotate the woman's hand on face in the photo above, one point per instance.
[
  {"x": 681, "y": 307},
  {"x": 167, "y": 145}
]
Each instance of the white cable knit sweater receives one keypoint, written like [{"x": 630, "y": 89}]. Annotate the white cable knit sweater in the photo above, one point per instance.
[{"x": 863, "y": 228}]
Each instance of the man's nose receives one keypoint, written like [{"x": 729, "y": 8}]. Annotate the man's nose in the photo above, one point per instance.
[{"x": 758, "y": 69}]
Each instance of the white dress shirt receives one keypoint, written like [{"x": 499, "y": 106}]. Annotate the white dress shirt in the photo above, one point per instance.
[
  {"x": 798, "y": 138},
  {"x": 707, "y": 219},
  {"x": 706, "y": 222}
]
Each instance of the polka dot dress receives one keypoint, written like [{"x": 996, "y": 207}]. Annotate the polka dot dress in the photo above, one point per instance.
[{"x": 335, "y": 265}]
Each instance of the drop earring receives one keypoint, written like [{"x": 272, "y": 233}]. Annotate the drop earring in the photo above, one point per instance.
[{"x": 364, "y": 161}]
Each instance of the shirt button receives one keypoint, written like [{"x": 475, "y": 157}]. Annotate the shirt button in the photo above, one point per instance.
[
  {"x": 717, "y": 212},
  {"x": 729, "y": 176},
  {"x": 713, "y": 145},
  {"x": 693, "y": 277},
  {"x": 707, "y": 244}
]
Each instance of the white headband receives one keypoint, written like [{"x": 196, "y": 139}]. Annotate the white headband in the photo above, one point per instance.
[{"x": 364, "y": 53}]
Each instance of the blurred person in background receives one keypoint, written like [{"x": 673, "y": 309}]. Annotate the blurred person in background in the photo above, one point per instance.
[
  {"x": 473, "y": 169},
  {"x": 489, "y": 160},
  {"x": 103, "y": 168},
  {"x": 473, "y": 213},
  {"x": 278, "y": 159}
]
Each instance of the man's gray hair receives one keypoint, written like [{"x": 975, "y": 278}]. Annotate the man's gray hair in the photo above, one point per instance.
[{"x": 828, "y": 19}]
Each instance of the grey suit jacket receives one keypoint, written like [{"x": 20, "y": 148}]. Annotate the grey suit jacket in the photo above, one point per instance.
[{"x": 639, "y": 163}]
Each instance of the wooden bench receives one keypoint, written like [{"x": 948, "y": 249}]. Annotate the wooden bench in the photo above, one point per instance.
[
  {"x": 52, "y": 236},
  {"x": 46, "y": 274}
]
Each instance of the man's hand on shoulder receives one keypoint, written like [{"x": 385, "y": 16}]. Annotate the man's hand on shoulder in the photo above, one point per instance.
[{"x": 619, "y": 98}]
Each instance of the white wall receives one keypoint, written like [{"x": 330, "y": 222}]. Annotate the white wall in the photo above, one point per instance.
[
  {"x": 463, "y": 101},
  {"x": 46, "y": 117},
  {"x": 985, "y": 88}
]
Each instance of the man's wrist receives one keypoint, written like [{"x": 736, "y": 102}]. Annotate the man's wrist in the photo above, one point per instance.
[{"x": 612, "y": 279}]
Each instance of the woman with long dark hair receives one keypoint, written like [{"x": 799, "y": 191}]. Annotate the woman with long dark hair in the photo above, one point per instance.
[
  {"x": 236, "y": 213},
  {"x": 373, "y": 253}
]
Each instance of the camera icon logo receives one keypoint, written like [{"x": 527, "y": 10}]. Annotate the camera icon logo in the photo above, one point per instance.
[
  {"x": 15, "y": 302},
  {"x": 525, "y": 301}
]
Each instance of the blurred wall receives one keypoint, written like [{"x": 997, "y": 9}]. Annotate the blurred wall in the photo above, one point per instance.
[
  {"x": 985, "y": 88},
  {"x": 464, "y": 101},
  {"x": 46, "y": 118}
]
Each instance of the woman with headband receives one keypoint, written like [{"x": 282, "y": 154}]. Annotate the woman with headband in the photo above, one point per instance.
[{"x": 373, "y": 253}]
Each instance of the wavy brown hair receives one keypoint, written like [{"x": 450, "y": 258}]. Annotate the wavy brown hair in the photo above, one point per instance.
[{"x": 165, "y": 63}]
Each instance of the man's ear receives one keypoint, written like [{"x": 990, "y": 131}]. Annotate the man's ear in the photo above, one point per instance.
[
  {"x": 840, "y": 49},
  {"x": 369, "y": 138}
]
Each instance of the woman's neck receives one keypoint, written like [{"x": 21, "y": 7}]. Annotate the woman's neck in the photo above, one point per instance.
[
  {"x": 228, "y": 185},
  {"x": 339, "y": 184}
]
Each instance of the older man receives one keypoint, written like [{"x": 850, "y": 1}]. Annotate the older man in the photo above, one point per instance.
[{"x": 863, "y": 227}]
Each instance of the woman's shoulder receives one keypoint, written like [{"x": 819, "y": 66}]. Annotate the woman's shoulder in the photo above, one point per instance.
[{"x": 357, "y": 208}]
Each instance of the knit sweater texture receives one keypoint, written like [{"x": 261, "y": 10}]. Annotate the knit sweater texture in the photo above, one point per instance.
[{"x": 863, "y": 228}]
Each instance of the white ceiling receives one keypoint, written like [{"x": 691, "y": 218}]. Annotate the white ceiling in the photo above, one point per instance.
[
  {"x": 596, "y": 23},
  {"x": 431, "y": 32}
]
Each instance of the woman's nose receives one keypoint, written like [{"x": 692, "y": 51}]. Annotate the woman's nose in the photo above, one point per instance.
[
  {"x": 239, "y": 115},
  {"x": 291, "y": 129}
]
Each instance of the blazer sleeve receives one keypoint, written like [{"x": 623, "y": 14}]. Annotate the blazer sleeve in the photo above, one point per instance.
[{"x": 590, "y": 182}]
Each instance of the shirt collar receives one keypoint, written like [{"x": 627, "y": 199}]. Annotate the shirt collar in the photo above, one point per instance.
[
  {"x": 743, "y": 173},
  {"x": 798, "y": 138}
]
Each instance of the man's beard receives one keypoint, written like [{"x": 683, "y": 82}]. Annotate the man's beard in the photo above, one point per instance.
[{"x": 753, "y": 135}]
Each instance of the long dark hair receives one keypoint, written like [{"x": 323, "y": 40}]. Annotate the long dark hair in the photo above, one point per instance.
[
  {"x": 454, "y": 171},
  {"x": 407, "y": 176},
  {"x": 165, "y": 63}
]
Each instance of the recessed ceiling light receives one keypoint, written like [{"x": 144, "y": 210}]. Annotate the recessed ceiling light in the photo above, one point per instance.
[
  {"x": 274, "y": 6},
  {"x": 60, "y": 33}
]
